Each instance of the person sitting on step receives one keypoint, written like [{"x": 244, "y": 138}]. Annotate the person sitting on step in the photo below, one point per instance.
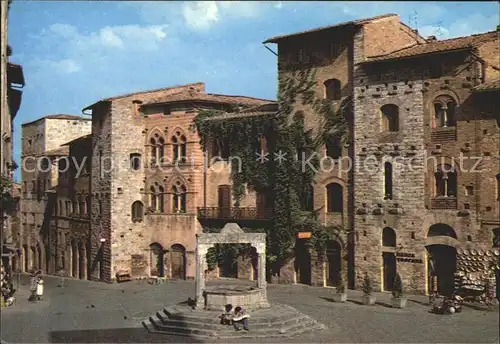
[
  {"x": 227, "y": 315},
  {"x": 240, "y": 318}
]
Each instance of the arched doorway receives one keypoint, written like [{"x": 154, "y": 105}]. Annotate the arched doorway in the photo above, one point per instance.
[
  {"x": 156, "y": 261},
  {"x": 228, "y": 265},
  {"x": 178, "y": 261},
  {"x": 442, "y": 260},
  {"x": 302, "y": 262},
  {"x": 334, "y": 262},
  {"x": 389, "y": 257},
  {"x": 82, "y": 263}
]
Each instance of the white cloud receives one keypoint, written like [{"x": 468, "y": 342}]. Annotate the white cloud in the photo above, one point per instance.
[
  {"x": 109, "y": 38},
  {"x": 200, "y": 14},
  {"x": 65, "y": 66}
]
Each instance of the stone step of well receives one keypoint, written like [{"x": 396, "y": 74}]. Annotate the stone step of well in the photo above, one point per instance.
[
  {"x": 213, "y": 317},
  {"x": 158, "y": 326},
  {"x": 256, "y": 322},
  {"x": 236, "y": 335},
  {"x": 198, "y": 328}
]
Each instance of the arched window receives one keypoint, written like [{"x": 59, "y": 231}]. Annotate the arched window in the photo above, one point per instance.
[
  {"x": 334, "y": 198},
  {"x": 445, "y": 181},
  {"x": 444, "y": 112},
  {"x": 179, "y": 147},
  {"x": 137, "y": 211},
  {"x": 334, "y": 147},
  {"x": 333, "y": 89},
  {"x": 390, "y": 117},
  {"x": 161, "y": 203},
  {"x": 153, "y": 150},
  {"x": 179, "y": 198},
  {"x": 161, "y": 148},
  {"x": 387, "y": 180},
  {"x": 388, "y": 237},
  {"x": 153, "y": 203},
  {"x": 135, "y": 161}
]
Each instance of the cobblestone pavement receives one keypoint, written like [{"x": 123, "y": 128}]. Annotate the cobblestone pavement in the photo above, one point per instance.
[{"x": 86, "y": 311}]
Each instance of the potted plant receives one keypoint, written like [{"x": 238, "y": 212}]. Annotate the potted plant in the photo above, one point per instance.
[
  {"x": 340, "y": 294},
  {"x": 368, "y": 297},
  {"x": 398, "y": 300}
]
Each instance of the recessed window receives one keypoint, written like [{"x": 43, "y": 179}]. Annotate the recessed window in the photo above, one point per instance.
[
  {"x": 469, "y": 190},
  {"x": 137, "y": 211},
  {"x": 390, "y": 117},
  {"x": 387, "y": 180},
  {"x": 444, "y": 112},
  {"x": 445, "y": 181},
  {"x": 333, "y": 89},
  {"x": 334, "y": 147},
  {"x": 135, "y": 161},
  {"x": 334, "y": 198},
  {"x": 179, "y": 194}
]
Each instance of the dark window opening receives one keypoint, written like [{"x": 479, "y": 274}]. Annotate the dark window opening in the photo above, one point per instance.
[
  {"x": 390, "y": 117},
  {"x": 333, "y": 89},
  {"x": 334, "y": 198},
  {"x": 135, "y": 161},
  {"x": 387, "y": 180}
]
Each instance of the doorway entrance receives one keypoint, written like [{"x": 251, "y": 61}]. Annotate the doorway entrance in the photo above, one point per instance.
[
  {"x": 390, "y": 270},
  {"x": 334, "y": 263},
  {"x": 178, "y": 261},
  {"x": 224, "y": 195},
  {"x": 302, "y": 262},
  {"x": 443, "y": 265},
  {"x": 156, "y": 261}
]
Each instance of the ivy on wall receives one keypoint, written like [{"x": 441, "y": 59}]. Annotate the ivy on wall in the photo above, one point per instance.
[{"x": 282, "y": 181}]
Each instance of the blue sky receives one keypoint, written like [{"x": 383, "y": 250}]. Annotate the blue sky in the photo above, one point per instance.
[{"x": 77, "y": 52}]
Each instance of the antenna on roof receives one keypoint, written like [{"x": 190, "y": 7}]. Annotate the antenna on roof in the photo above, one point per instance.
[
  {"x": 414, "y": 19},
  {"x": 438, "y": 32}
]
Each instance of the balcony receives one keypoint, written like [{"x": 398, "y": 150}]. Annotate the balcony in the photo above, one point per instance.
[
  {"x": 443, "y": 203},
  {"x": 234, "y": 213},
  {"x": 443, "y": 134}
]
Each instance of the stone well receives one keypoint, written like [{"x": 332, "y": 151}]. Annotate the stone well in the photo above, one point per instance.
[{"x": 215, "y": 298}]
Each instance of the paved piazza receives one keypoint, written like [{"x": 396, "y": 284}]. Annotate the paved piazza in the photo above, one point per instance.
[{"x": 86, "y": 311}]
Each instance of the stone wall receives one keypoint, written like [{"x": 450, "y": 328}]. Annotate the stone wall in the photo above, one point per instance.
[{"x": 411, "y": 211}]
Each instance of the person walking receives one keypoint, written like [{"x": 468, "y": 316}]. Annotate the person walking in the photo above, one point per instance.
[
  {"x": 39, "y": 289},
  {"x": 33, "y": 285}
]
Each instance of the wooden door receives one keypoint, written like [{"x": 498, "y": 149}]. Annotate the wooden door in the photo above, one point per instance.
[
  {"x": 224, "y": 193},
  {"x": 178, "y": 262}
]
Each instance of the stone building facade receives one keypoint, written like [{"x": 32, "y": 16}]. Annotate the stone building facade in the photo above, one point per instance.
[
  {"x": 11, "y": 83},
  {"x": 397, "y": 80},
  {"x": 332, "y": 52},
  {"x": 147, "y": 175},
  {"x": 427, "y": 147},
  {"x": 42, "y": 154}
]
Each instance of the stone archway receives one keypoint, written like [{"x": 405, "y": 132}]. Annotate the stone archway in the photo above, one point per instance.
[
  {"x": 157, "y": 267},
  {"x": 441, "y": 245},
  {"x": 333, "y": 262},
  {"x": 178, "y": 262},
  {"x": 82, "y": 263}
]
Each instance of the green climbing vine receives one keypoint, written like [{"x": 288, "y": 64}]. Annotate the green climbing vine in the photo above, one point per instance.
[{"x": 283, "y": 181}]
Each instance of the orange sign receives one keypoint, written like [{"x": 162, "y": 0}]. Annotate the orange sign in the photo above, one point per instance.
[{"x": 304, "y": 235}]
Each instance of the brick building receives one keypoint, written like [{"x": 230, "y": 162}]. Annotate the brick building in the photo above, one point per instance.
[
  {"x": 43, "y": 155},
  {"x": 401, "y": 84},
  {"x": 147, "y": 180}
]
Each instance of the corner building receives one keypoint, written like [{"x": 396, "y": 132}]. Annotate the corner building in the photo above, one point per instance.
[
  {"x": 144, "y": 208},
  {"x": 427, "y": 139}
]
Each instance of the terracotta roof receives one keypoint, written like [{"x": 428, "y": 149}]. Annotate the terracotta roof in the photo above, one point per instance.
[
  {"x": 194, "y": 96},
  {"x": 228, "y": 116},
  {"x": 348, "y": 23},
  {"x": 57, "y": 152},
  {"x": 488, "y": 86},
  {"x": 59, "y": 116},
  {"x": 144, "y": 94},
  {"x": 459, "y": 43}
]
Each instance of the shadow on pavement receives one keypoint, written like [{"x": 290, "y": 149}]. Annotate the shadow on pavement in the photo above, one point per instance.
[
  {"x": 383, "y": 304},
  {"x": 116, "y": 335},
  {"x": 356, "y": 302},
  {"x": 329, "y": 299},
  {"x": 420, "y": 302}
]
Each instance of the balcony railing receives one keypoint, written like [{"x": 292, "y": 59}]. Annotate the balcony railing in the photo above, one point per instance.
[
  {"x": 444, "y": 203},
  {"x": 444, "y": 134},
  {"x": 235, "y": 213}
]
